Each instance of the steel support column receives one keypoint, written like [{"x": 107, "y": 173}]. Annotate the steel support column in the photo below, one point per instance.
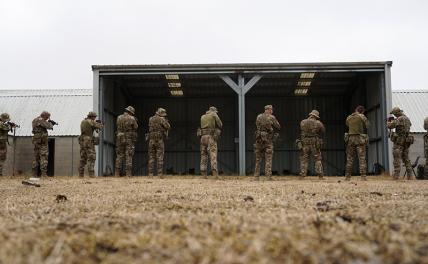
[
  {"x": 388, "y": 106},
  {"x": 96, "y": 98},
  {"x": 241, "y": 89}
]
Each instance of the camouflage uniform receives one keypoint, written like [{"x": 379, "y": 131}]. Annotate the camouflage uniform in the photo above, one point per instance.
[
  {"x": 266, "y": 123},
  {"x": 426, "y": 148},
  {"x": 356, "y": 139},
  {"x": 125, "y": 140},
  {"x": 158, "y": 131},
  {"x": 4, "y": 130},
  {"x": 40, "y": 141},
  {"x": 211, "y": 126},
  {"x": 87, "y": 144},
  {"x": 402, "y": 141},
  {"x": 311, "y": 133}
]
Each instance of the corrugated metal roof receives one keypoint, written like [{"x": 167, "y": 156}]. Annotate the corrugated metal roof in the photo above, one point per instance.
[
  {"x": 414, "y": 104},
  {"x": 67, "y": 107}
]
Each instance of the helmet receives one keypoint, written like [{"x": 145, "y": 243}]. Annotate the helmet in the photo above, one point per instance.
[
  {"x": 92, "y": 114},
  {"x": 5, "y": 117},
  {"x": 161, "y": 112},
  {"x": 315, "y": 114},
  {"x": 130, "y": 109},
  {"x": 213, "y": 109},
  {"x": 268, "y": 107},
  {"x": 45, "y": 114},
  {"x": 396, "y": 110}
]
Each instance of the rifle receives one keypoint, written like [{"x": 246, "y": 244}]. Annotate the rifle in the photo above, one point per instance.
[
  {"x": 390, "y": 119},
  {"x": 12, "y": 125},
  {"x": 52, "y": 122}
]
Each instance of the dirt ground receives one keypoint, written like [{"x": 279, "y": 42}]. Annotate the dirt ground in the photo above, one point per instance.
[{"x": 234, "y": 220}]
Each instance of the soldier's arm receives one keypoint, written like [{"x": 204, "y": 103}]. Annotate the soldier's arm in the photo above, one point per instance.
[
  {"x": 218, "y": 122},
  {"x": 4, "y": 126},
  {"x": 322, "y": 127},
  {"x": 166, "y": 124},
  {"x": 45, "y": 124},
  {"x": 366, "y": 121},
  {"x": 391, "y": 124},
  {"x": 96, "y": 125},
  {"x": 275, "y": 123},
  {"x": 135, "y": 123},
  {"x": 347, "y": 121}
]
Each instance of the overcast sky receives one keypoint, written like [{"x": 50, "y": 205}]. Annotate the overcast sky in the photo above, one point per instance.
[{"x": 52, "y": 44}]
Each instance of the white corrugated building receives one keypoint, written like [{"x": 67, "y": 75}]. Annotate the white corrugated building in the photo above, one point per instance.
[
  {"x": 414, "y": 103},
  {"x": 67, "y": 107}
]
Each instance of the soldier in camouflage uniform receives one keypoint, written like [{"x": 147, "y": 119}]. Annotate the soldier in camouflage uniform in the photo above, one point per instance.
[
  {"x": 311, "y": 139},
  {"x": 356, "y": 138},
  {"x": 87, "y": 143},
  {"x": 402, "y": 141},
  {"x": 158, "y": 131},
  {"x": 265, "y": 135},
  {"x": 125, "y": 140},
  {"x": 426, "y": 149},
  {"x": 210, "y": 131},
  {"x": 41, "y": 125},
  {"x": 5, "y": 127}
]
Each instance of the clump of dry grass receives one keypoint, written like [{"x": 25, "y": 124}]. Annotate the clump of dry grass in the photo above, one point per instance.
[{"x": 188, "y": 220}]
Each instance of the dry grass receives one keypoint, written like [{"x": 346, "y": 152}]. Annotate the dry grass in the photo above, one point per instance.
[{"x": 189, "y": 220}]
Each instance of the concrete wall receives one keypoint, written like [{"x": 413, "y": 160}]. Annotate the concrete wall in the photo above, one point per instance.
[{"x": 66, "y": 156}]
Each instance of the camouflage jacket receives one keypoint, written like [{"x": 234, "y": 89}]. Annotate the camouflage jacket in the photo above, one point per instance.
[
  {"x": 311, "y": 127},
  {"x": 357, "y": 124},
  {"x": 41, "y": 126},
  {"x": 126, "y": 123},
  {"x": 267, "y": 123},
  {"x": 210, "y": 120},
  {"x": 401, "y": 124},
  {"x": 88, "y": 126},
  {"x": 158, "y": 127},
  {"x": 4, "y": 130}
]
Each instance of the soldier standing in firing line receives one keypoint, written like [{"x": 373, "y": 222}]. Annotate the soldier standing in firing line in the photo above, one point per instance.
[
  {"x": 41, "y": 125},
  {"x": 209, "y": 132},
  {"x": 87, "y": 143},
  {"x": 266, "y": 124},
  {"x": 426, "y": 148},
  {"x": 158, "y": 131},
  {"x": 125, "y": 140},
  {"x": 356, "y": 138},
  {"x": 402, "y": 141},
  {"x": 311, "y": 139},
  {"x": 5, "y": 127}
]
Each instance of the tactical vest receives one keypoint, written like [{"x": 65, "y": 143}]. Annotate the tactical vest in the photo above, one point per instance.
[
  {"x": 356, "y": 124},
  {"x": 4, "y": 130},
  {"x": 264, "y": 124},
  {"x": 37, "y": 128},
  {"x": 86, "y": 128},
  {"x": 156, "y": 130},
  {"x": 124, "y": 124},
  {"x": 403, "y": 127},
  {"x": 310, "y": 128}
]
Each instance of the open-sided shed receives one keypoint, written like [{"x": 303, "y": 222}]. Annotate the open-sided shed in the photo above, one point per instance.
[{"x": 240, "y": 91}]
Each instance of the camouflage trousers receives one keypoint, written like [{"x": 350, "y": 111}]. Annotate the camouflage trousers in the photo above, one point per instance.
[
  {"x": 3, "y": 154},
  {"x": 87, "y": 155},
  {"x": 355, "y": 142},
  {"x": 125, "y": 148},
  {"x": 208, "y": 147},
  {"x": 263, "y": 148},
  {"x": 311, "y": 146},
  {"x": 41, "y": 154},
  {"x": 156, "y": 153},
  {"x": 401, "y": 153},
  {"x": 426, "y": 156}
]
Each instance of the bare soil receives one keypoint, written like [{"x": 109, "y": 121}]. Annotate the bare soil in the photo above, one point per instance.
[{"x": 233, "y": 220}]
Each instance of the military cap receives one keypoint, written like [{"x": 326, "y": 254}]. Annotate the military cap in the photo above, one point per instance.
[
  {"x": 213, "y": 109},
  {"x": 5, "y": 117},
  {"x": 92, "y": 114},
  {"x": 45, "y": 113},
  {"x": 268, "y": 107},
  {"x": 130, "y": 109},
  {"x": 161, "y": 112},
  {"x": 396, "y": 110},
  {"x": 315, "y": 113}
]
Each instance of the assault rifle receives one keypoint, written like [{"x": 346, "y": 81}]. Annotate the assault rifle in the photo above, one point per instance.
[{"x": 52, "y": 122}]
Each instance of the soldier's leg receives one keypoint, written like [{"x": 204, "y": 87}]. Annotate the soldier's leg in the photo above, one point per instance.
[
  {"x": 129, "y": 155},
  {"x": 44, "y": 155},
  {"x": 91, "y": 159},
  {"x": 120, "y": 154},
  {"x": 318, "y": 162},
  {"x": 268, "y": 160},
  {"x": 212, "y": 150},
  {"x": 36, "y": 159},
  {"x": 159, "y": 156},
  {"x": 407, "y": 163},
  {"x": 3, "y": 155},
  {"x": 152, "y": 157},
  {"x": 304, "y": 158},
  {"x": 361, "y": 149},
  {"x": 204, "y": 155},
  {"x": 396, "y": 153},
  {"x": 349, "y": 160},
  {"x": 258, "y": 157},
  {"x": 83, "y": 159}
]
